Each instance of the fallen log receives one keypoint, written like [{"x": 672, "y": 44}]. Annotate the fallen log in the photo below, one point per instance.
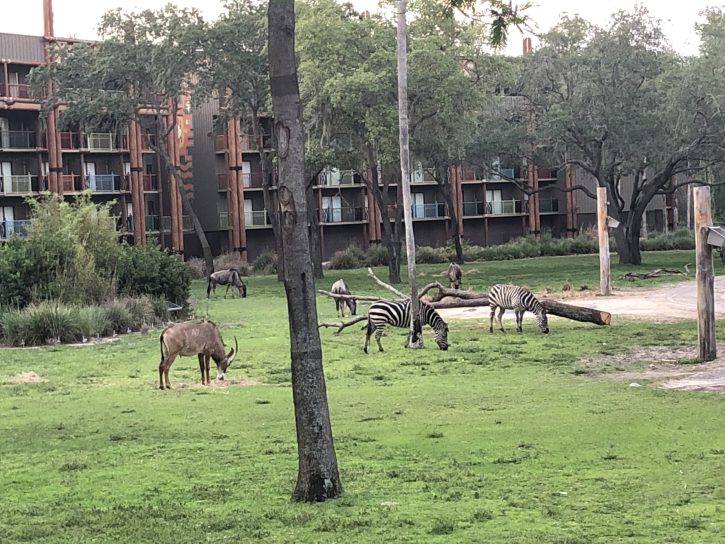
[
  {"x": 342, "y": 324},
  {"x": 387, "y": 286},
  {"x": 577, "y": 313},
  {"x": 459, "y": 303},
  {"x": 356, "y": 297},
  {"x": 449, "y": 292},
  {"x": 631, "y": 276}
]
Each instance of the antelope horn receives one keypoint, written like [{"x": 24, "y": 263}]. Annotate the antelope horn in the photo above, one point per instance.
[{"x": 233, "y": 354}]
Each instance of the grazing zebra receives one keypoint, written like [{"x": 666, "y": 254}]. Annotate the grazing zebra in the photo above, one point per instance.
[
  {"x": 340, "y": 288},
  {"x": 454, "y": 275},
  {"x": 230, "y": 278},
  {"x": 519, "y": 299},
  {"x": 397, "y": 314}
]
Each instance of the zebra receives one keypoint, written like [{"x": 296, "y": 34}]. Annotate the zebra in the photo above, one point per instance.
[
  {"x": 230, "y": 278},
  {"x": 454, "y": 275},
  {"x": 519, "y": 299},
  {"x": 340, "y": 288},
  {"x": 397, "y": 314}
]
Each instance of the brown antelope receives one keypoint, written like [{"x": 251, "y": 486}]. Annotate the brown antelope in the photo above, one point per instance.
[
  {"x": 340, "y": 288},
  {"x": 454, "y": 275},
  {"x": 202, "y": 339}
]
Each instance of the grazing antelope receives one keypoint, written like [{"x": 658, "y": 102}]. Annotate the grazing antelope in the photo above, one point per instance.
[
  {"x": 454, "y": 275},
  {"x": 202, "y": 339},
  {"x": 340, "y": 288},
  {"x": 230, "y": 278}
]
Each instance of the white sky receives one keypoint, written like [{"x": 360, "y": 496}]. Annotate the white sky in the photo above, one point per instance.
[{"x": 78, "y": 18}]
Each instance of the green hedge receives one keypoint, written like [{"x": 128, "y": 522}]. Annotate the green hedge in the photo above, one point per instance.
[{"x": 149, "y": 270}]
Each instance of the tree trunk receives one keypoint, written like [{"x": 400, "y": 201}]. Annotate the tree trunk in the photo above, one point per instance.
[
  {"x": 627, "y": 237},
  {"x": 318, "y": 478},
  {"x": 445, "y": 189},
  {"x": 381, "y": 199}
]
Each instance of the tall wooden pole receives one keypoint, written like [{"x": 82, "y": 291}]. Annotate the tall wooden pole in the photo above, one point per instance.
[
  {"x": 605, "y": 287},
  {"x": 705, "y": 277}
]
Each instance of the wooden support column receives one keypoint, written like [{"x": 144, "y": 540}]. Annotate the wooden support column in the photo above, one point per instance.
[
  {"x": 6, "y": 79},
  {"x": 604, "y": 275},
  {"x": 570, "y": 203},
  {"x": 141, "y": 185},
  {"x": 135, "y": 187},
  {"x": 232, "y": 181},
  {"x": 532, "y": 198},
  {"x": 705, "y": 277},
  {"x": 240, "y": 185},
  {"x": 174, "y": 209}
]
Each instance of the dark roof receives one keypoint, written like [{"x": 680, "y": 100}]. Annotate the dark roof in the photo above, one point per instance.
[{"x": 20, "y": 48}]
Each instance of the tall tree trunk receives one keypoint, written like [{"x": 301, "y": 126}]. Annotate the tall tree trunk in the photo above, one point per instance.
[
  {"x": 627, "y": 237},
  {"x": 444, "y": 185},
  {"x": 318, "y": 478}
]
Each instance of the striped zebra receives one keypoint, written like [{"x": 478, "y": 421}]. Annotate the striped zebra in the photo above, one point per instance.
[
  {"x": 519, "y": 299},
  {"x": 397, "y": 314}
]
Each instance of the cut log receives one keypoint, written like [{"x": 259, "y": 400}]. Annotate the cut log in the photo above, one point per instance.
[
  {"x": 341, "y": 325},
  {"x": 364, "y": 298},
  {"x": 577, "y": 313},
  {"x": 459, "y": 303}
]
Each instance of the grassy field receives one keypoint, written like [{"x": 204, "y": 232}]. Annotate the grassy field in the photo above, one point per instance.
[{"x": 501, "y": 439}]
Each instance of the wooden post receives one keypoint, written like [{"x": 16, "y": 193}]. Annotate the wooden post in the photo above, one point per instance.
[
  {"x": 705, "y": 278},
  {"x": 604, "y": 276}
]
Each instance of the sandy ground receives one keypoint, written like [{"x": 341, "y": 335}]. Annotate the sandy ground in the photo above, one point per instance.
[{"x": 665, "y": 303}]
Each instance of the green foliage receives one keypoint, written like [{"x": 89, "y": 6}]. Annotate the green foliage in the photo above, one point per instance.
[
  {"x": 431, "y": 255},
  {"x": 265, "y": 263},
  {"x": 350, "y": 257},
  {"x": 149, "y": 270},
  {"x": 376, "y": 255},
  {"x": 680, "y": 239}
]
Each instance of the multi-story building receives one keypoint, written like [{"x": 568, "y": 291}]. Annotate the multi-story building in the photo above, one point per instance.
[{"x": 223, "y": 171}]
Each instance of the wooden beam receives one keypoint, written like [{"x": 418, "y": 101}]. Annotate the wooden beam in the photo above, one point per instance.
[
  {"x": 604, "y": 275},
  {"x": 705, "y": 277}
]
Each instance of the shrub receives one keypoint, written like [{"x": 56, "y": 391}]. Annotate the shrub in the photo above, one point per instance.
[
  {"x": 376, "y": 255},
  {"x": 350, "y": 257},
  {"x": 119, "y": 317},
  {"x": 149, "y": 270},
  {"x": 197, "y": 267},
  {"x": 680, "y": 239},
  {"x": 231, "y": 260},
  {"x": 430, "y": 255},
  {"x": 265, "y": 263}
]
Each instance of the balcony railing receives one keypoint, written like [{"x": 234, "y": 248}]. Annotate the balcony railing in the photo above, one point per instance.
[
  {"x": 429, "y": 211},
  {"x": 473, "y": 208},
  {"x": 222, "y": 181},
  {"x": 18, "y": 185},
  {"x": 150, "y": 182},
  {"x": 252, "y": 180},
  {"x": 256, "y": 218},
  {"x": 101, "y": 141},
  {"x": 186, "y": 222},
  {"x": 18, "y": 139},
  {"x": 220, "y": 142},
  {"x": 104, "y": 183},
  {"x": 506, "y": 207},
  {"x": 334, "y": 178},
  {"x": 19, "y": 227},
  {"x": 93, "y": 141},
  {"x": 21, "y": 90},
  {"x": 548, "y": 205},
  {"x": 423, "y": 176},
  {"x": 223, "y": 220},
  {"x": 147, "y": 141},
  {"x": 72, "y": 183},
  {"x": 547, "y": 174},
  {"x": 153, "y": 223},
  {"x": 344, "y": 214}
]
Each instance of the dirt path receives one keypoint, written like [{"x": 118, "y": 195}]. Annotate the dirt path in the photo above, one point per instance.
[{"x": 662, "y": 366}]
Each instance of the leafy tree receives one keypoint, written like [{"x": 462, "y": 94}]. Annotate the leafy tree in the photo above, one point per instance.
[
  {"x": 318, "y": 478},
  {"x": 619, "y": 105},
  {"x": 146, "y": 60}
]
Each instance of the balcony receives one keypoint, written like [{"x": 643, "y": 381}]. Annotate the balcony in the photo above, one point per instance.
[
  {"x": 150, "y": 183},
  {"x": 220, "y": 143},
  {"x": 222, "y": 181},
  {"x": 423, "y": 176},
  {"x": 503, "y": 174},
  {"x": 94, "y": 142},
  {"x": 506, "y": 207},
  {"x": 18, "y": 185},
  {"x": 19, "y": 227},
  {"x": 148, "y": 142},
  {"x": 473, "y": 208},
  {"x": 257, "y": 218},
  {"x": 153, "y": 223},
  {"x": 344, "y": 214},
  {"x": 72, "y": 183},
  {"x": 252, "y": 180},
  {"x": 104, "y": 183},
  {"x": 18, "y": 139},
  {"x": 336, "y": 178},
  {"x": 548, "y": 205},
  {"x": 22, "y": 91},
  {"x": 432, "y": 210},
  {"x": 469, "y": 174},
  {"x": 224, "y": 220},
  {"x": 547, "y": 174}
]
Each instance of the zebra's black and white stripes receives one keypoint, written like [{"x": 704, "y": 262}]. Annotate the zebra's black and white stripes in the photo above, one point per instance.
[
  {"x": 519, "y": 299},
  {"x": 397, "y": 314}
]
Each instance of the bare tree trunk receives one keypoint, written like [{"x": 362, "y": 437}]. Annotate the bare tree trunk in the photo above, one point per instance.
[
  {"x": 415, "y": 339},
  {"x": 627, "y": 237},
  {"x": 318, "y": 478}
]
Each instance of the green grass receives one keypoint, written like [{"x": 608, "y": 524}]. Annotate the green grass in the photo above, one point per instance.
[{"x": 499, "y": 439}]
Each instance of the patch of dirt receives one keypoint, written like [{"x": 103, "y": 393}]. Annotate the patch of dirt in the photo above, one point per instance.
[
  {"x": 24, "y": 377},
  {"x": 216, "y": 384},
  {"x": 663, "y": 365}
]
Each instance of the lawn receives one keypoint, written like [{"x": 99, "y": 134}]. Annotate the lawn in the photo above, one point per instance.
[{"x": 500, "y": 439}]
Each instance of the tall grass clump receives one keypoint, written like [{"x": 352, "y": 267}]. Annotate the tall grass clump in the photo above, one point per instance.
[
  {"x": 431, "y": 255},
  {"x": 350, "y": 257},
  {"x": 376, "y": 255},
  {"x": 265, "y": 263},
  {"x": 662, "y": 241}
]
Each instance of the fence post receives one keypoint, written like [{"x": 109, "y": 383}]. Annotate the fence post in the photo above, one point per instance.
[
  {"x": 604, "y": 276},
  {"x": 705, "y": 276}
]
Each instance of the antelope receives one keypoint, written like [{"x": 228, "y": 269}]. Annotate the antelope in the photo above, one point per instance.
[
  {"x": 202, "y": 339},
  {"x": 454, "y": 275},
  {"x": 340, "y": 288},
  {"x": 229, "y": 277}
]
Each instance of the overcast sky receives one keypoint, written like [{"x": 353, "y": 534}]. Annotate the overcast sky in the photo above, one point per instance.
[{"x": 79, "y": 18}]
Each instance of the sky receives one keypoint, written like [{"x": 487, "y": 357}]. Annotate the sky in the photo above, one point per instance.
[{"x": 79, "y": 18}]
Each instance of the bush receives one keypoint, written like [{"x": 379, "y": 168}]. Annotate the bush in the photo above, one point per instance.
[
  {"x": 431, "y": 255},
  {"x": 680, "y": 239},
  {"x": 149, "y": 270},
  {"x": 376, "y": 255},
  {"x": 350, "y": 257},
  {"x": 231, "y": 260},
  {"x": 265, "y": 263},
  {"x": 197, "y": 267}
]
